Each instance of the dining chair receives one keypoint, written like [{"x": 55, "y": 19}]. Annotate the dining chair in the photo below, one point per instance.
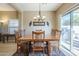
[
  {"x": 22, "y": 47},
  {"x": 57, "y": 34},
  {"x": 36, "y": 45},
  {"x": 17, "y": 36}
]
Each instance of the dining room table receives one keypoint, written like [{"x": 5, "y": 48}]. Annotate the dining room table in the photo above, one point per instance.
[
  {"x": 6, "y": 36},
  {"x": 28, "y": 38}
]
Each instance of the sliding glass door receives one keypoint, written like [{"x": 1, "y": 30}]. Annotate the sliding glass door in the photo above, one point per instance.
[
  {"x": 70, "y": 31},
  {"x": 75, "y": 32},
  {"x": 66, "y": 31}
]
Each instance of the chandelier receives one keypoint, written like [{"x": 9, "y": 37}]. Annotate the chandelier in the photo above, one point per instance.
[{"x": 39, "y": 17}]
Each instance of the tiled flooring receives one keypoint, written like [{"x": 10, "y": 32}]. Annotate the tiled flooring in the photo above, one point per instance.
[{"x": 7, "y": 49}]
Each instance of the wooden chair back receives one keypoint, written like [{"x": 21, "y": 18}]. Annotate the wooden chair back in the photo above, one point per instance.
[
  {"x": 38, "y": 34},
  {"x": 17, "y": 35},
  {"x": 56, "y": 33}
]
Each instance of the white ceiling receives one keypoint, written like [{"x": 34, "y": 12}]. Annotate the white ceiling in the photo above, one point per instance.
[
  {"x": 6, "y": 7},
  {"x": 35, "y": 6}
]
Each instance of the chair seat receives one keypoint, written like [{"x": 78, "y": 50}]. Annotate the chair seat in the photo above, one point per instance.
[
  {"x": 38, "y": 48},
  {"x": 38, "y": 44}
]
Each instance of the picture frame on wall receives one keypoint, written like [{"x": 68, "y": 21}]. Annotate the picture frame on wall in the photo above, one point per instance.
[{"x": 38, "y": 23}]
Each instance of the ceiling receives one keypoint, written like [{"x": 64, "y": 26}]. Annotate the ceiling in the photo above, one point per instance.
[
  {"x": 35, "y": 6},
  {"x": 6, "y": 7}
]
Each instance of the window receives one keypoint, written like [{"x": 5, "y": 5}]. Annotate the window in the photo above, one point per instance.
[
  {"x": 12, "y": 26},
  {"x": 66, "y": 31},
  {"x": 70, "y": 31}
]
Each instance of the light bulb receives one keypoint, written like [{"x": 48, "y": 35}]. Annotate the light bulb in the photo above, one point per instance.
[
  {"x": 43, "y": 17},
  {"x": 38, "y": 16},
  {"x": 34, "y": 17}
]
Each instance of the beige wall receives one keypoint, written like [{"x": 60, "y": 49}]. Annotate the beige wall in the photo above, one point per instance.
[
  {"x": 20, "y": 19},
  {"x": 28, "y": 16},
  {"x": 6, "y": 16},
  {"x": 64, "y": 8}
]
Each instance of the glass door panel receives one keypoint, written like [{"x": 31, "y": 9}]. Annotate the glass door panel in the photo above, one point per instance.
[
  {"x": 75, "y": 32},
  {"x": 65, "y": 26}
]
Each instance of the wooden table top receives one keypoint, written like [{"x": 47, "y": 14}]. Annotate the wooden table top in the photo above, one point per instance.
[{"x": 47, "y": 38}]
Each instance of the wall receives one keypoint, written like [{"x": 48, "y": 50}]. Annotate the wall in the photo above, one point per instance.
[
  {"x": 28, "y": 16},
  {"x": 64, "y": 8},
  {"x": 19, "y": 18},
  {"x": 6, "y": 16}
]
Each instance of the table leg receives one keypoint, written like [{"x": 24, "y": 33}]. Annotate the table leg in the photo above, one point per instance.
[
  {"x": 58, "y": 48},
  {"x": 3, "y": 39},
  {"x": 49, "y": 48},
  {"x": 18, "y": 48},
  {"x": 7, "y": 38},
  {"x": 0, "y": 38},
  {"x": 15, "y": 39}
]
